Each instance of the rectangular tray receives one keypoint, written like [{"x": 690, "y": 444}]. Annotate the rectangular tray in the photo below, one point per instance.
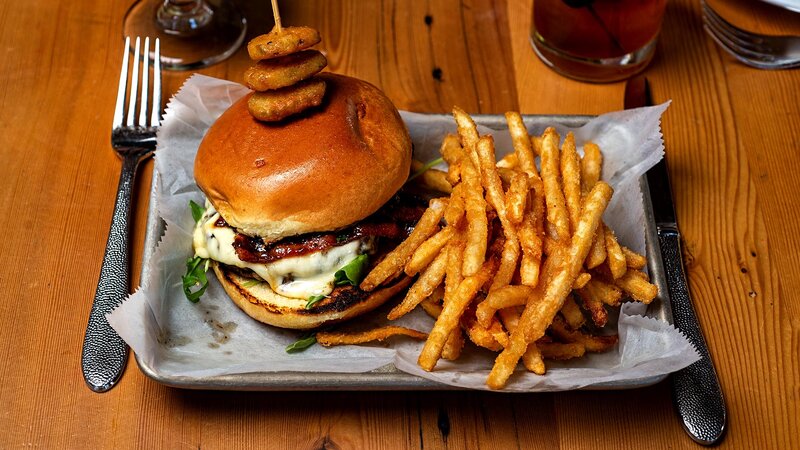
[{"x": 389, "y": 378}]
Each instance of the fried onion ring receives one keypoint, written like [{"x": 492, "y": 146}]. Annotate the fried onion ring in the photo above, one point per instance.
[
  {"x": 284, "y": 71},
  {"x": 272, "y": 106},
  {"x": 282, "y": 42}
]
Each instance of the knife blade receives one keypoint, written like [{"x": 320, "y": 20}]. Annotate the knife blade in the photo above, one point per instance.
[{"x": 696, "y": 392}]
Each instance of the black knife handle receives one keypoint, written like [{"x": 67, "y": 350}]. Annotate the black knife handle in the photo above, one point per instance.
[{"x": 696, "y": 390}]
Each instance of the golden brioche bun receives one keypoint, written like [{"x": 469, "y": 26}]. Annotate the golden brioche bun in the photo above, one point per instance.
[{"x": 322, "y": 170}]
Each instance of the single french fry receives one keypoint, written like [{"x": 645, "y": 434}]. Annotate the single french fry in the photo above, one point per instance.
[
  {"x": 509, "y": 317},
  {"x": 582, "y": 279},
  {"x": 522, "y": 144},
  {"x": 455, "y": 208},
  {"x": 531, "y": 245},
  {"x": 494, "y": 193},
  {"x": 571, "y": 179},
  {"x": 455, "y": 250},
  {"x": 607, "y": 293},
  {"x": 432, "y": 307},
  {"x": 427, "y": 282},
  {"x": 451, "y": 314},
  {"x": 455, "y": 342},
  {"x": 468, "y": 133},
  {"x": 427, "y": 251},
  {"x": 433, "y": 179},
  {"x": 538, "y": 315},
  {"x": 592, "y": 343},
  {"x": 593, "y": 304},
  {"x": 560, "y": 351},
  {"x": 634, "y": 260},
  {"x": 516, "y": 198},
  {"x": 615, "y": 257},
  {"x": 532, "y": 360},
  {"x": 572, "y": 313},
  {"x": 591, "y": 166},
  {"x": 453, "y": 345},
  {"x": 477, "y": 235},
  {"x": 452, "y": 153},
  {"x": 557, "y": 216},
  {"x": 504, "y": 297},
  {"x": 490, "y": 179},
  {"x": 597, "y": 254},
  {"x": 331, "y": 338},
  {"x": 536, "y": 144},
  {"x": 509, "y": 161},
  {"x": 508, "y": 263},
  {"x": 636, "y": 284},
  {"x": 395, "y": 260}
]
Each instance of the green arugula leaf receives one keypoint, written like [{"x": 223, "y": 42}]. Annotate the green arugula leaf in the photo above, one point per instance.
[
  {"x": 302, "y": 344},
  {"x": 314, "y": 299},
  {"x": 251, "y": 283},
  {"x": 197, "y": 210},
  {"x": 425, "y": 168},
  {"x": 353, "y": 272},
  {"x": 195, "y": 276}
]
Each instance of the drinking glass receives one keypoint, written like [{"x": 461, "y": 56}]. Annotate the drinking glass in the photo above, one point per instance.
[
  {"x": 596, "y": 40},
  {"x": 193, "y": 33}
]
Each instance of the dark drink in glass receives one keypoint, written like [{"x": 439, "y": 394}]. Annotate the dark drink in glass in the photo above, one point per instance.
[{"x": 596, "y": 40}]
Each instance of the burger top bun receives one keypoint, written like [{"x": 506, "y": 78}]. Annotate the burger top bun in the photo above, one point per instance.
[{"x": 319, "y": 171}]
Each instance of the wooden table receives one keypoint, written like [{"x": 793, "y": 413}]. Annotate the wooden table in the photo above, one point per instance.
[{"x": 733, "y": 140}]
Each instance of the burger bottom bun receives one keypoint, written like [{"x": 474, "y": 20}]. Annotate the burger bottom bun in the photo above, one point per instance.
[{"x": 263, "y": 304}]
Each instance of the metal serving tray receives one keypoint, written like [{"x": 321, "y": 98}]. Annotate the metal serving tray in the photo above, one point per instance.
[{"x": 389, "y": 378}]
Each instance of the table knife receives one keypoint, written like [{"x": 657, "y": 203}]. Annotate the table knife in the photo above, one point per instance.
[{"x": 696, "y": 391}]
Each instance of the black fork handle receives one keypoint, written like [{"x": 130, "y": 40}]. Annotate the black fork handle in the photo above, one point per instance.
[{"x": 104, "y": 352}]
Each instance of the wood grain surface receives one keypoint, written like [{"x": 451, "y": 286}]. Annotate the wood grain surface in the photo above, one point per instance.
[{"x": 733, "y": 139}]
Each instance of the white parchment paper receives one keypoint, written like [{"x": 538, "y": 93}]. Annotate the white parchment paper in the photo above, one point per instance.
[{"x": 213, "y": 337}]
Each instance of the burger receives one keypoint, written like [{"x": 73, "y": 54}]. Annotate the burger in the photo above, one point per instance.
[{"x": 297, "y": 211}]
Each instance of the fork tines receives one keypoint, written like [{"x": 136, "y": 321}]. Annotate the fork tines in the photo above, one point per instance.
[
  {"x": 757, "y": 50},
  {"x": 129, "y": 119}
]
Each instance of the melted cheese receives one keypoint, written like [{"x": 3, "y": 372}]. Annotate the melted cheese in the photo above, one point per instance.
[{"x": 297, "y": 277}]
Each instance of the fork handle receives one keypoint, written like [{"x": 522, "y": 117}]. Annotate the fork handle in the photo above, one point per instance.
[{"x": 104, "y": 352}]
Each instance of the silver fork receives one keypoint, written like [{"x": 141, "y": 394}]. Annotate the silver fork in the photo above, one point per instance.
[
  {"x": 104, "y": 352},
  {"x": 756, "y": 50}
]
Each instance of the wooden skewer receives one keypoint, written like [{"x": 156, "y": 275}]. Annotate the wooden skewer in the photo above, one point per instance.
[{"x": 277, "y": 15}]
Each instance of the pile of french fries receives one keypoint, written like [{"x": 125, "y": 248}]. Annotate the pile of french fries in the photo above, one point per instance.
[{"x": 517, "y": 259}]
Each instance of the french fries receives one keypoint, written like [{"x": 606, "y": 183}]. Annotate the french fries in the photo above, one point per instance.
[
  {"x": 428, "y": 281},
  {"x": 571, "y": 179},
  {"x": 523, "y": 148},
  {"x": 515, "y": 259},
  {"x": 427, "y": 251},
  {"x": 504, "y": 297},
  {"x": 395, "y": 260},
  {"x": 432, "y": 179},
  {"x": 617, "y": 262},
  {"x": 534, "y": 320},
  {"x": 477, "y": 224},
  {"x": 557, "y": 215},
  {"x": 330, "y": 338},
  {"x": 451, "y": 314}
]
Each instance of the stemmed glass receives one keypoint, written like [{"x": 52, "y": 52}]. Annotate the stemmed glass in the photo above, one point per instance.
[{"x": 193, "y": 33}]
